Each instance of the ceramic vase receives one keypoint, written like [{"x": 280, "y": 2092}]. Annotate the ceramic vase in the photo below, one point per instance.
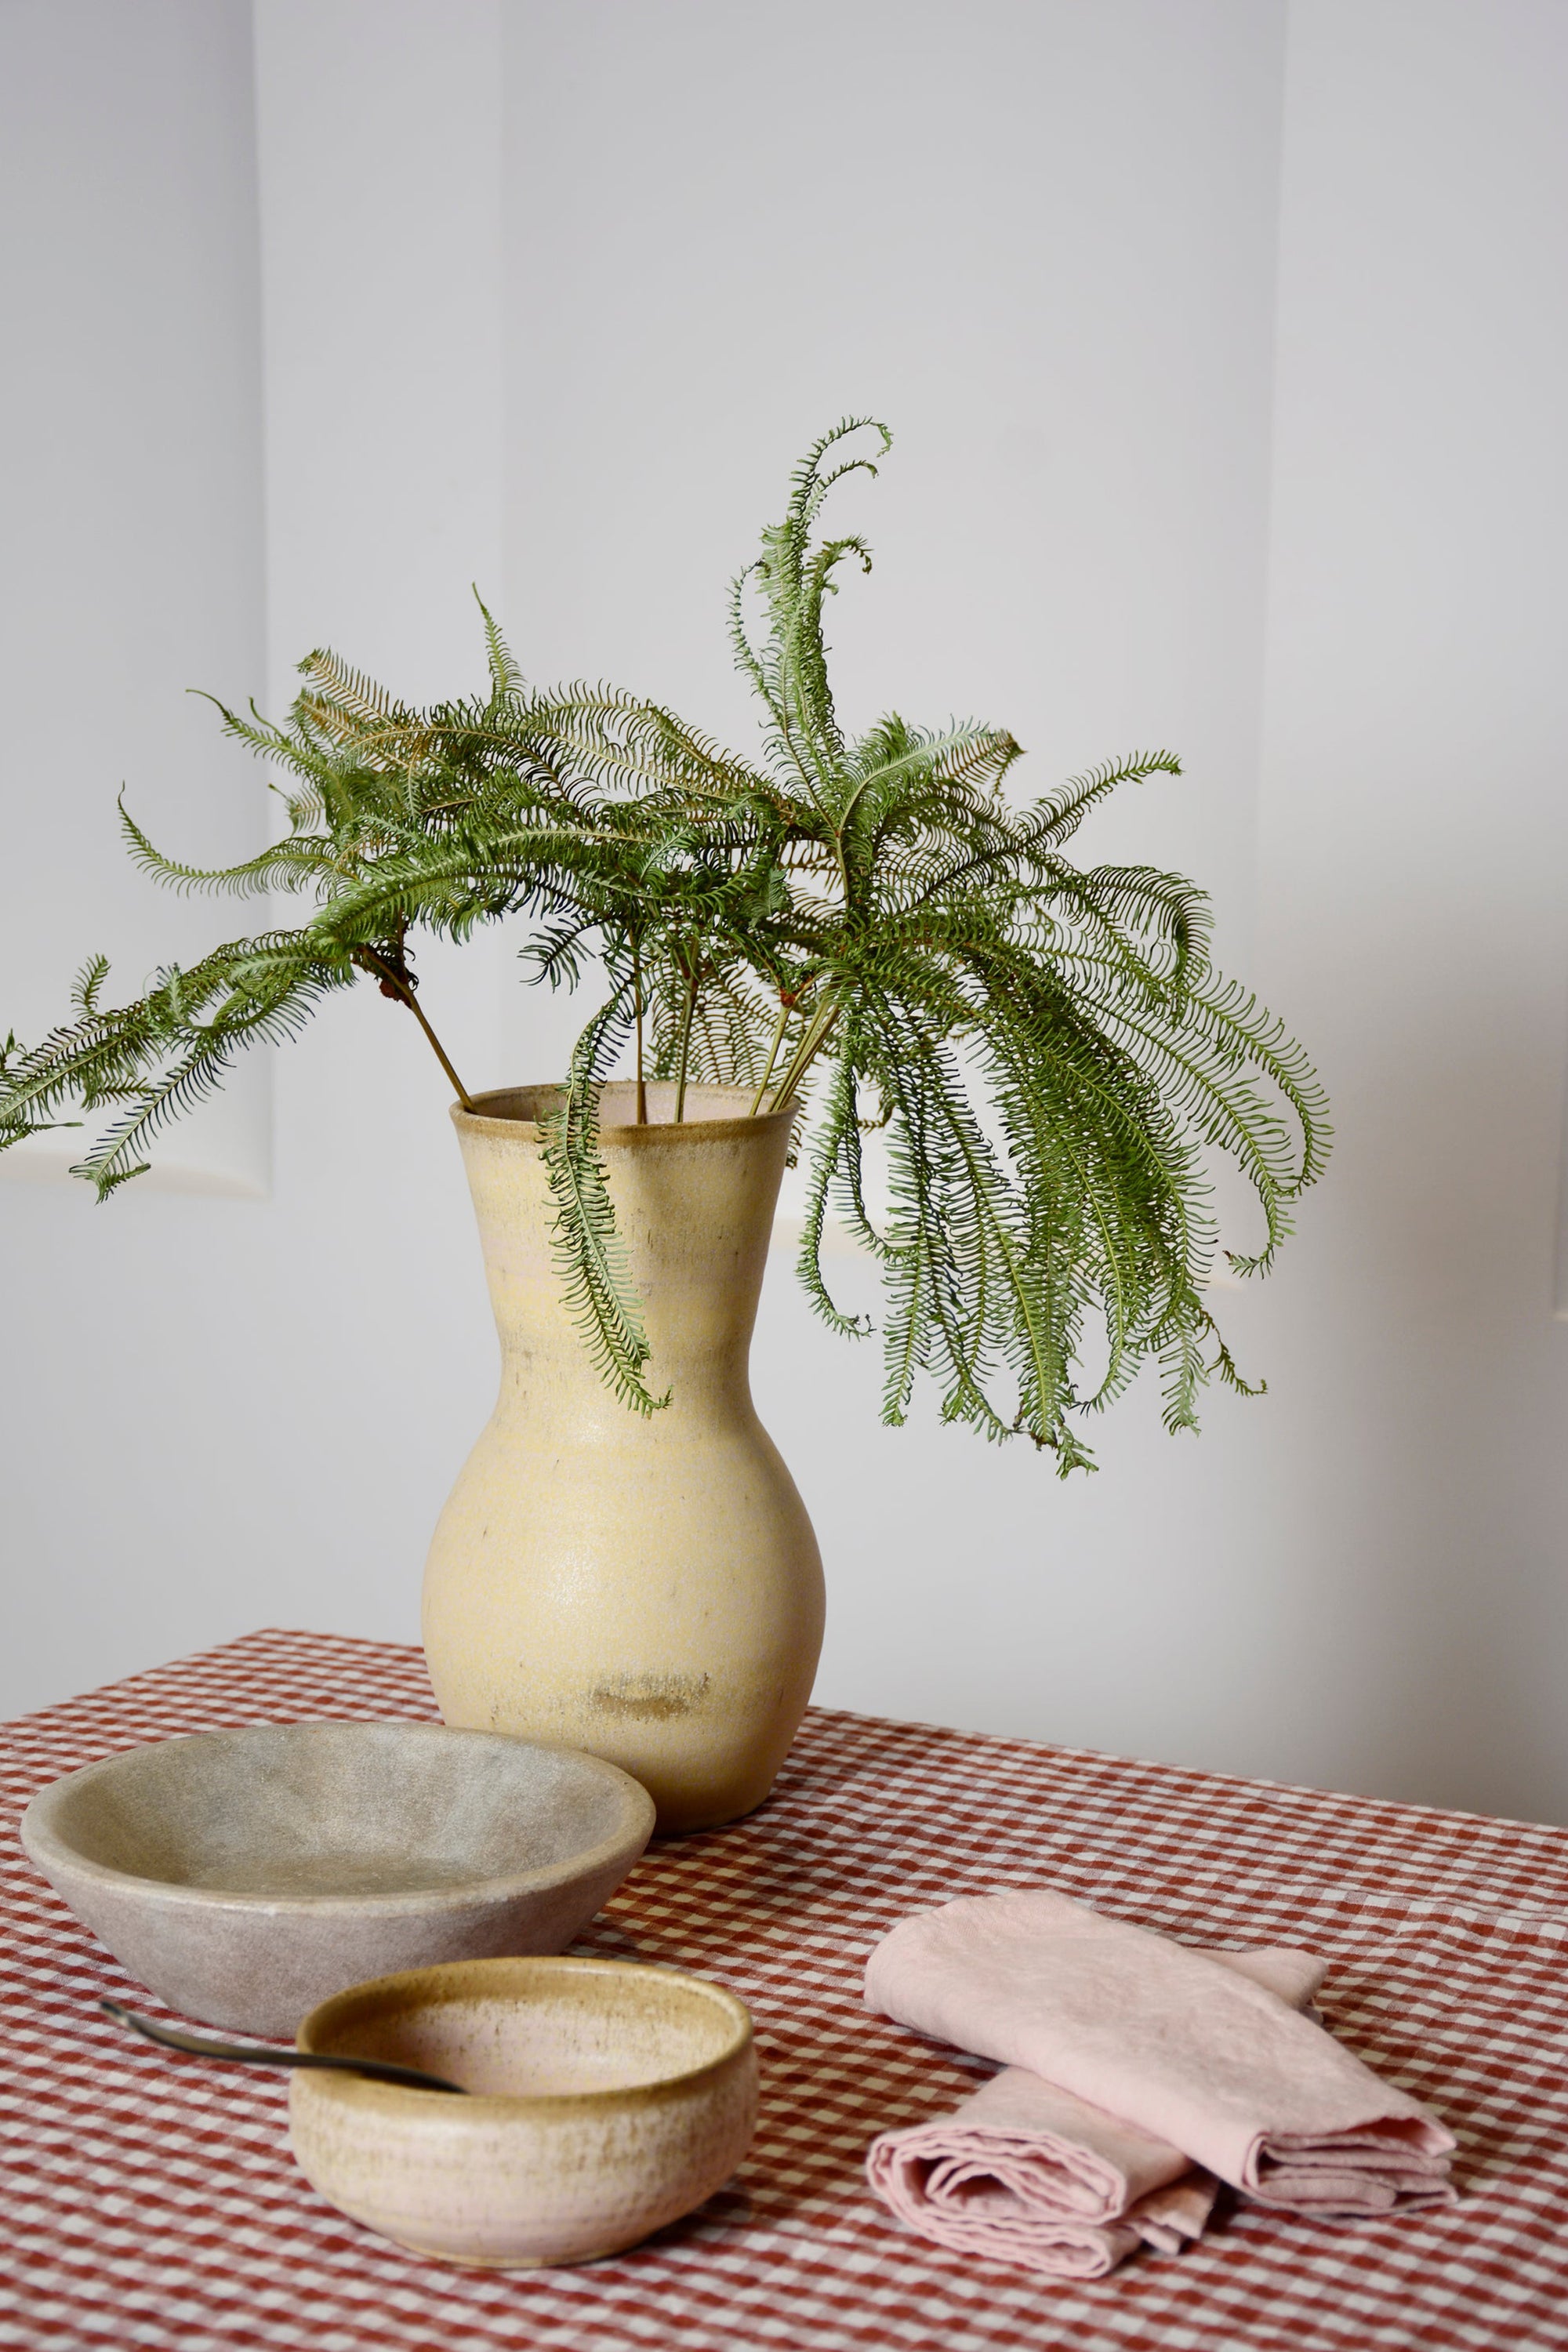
[{"x": 648, "y": 1588}]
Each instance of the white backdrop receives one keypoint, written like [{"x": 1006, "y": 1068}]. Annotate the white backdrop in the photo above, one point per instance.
[{"x": 1224, "y": 346}]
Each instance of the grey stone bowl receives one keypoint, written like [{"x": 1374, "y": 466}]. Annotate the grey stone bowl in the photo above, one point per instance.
[{"x": 246, "y": 1875}]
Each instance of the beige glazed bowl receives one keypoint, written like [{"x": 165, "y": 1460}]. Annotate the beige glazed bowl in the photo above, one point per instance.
[
  {"x": 244, "y": 1875},
  {"x": 607, "y": 2098}
]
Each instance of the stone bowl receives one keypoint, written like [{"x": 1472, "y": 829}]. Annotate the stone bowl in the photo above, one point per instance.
[
  {"x": 244, "y": 1875},
  {"x": 607, "y": 2098}
]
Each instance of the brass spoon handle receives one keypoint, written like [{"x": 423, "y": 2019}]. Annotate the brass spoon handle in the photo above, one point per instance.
[{"x": 196, "y": 2046}]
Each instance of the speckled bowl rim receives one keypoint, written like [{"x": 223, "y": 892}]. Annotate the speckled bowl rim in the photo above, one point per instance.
[
  {"x": 532, "y": 2107},
  {"x": 46, "y": 1846},
  {"x": 656, "y": 1135}
]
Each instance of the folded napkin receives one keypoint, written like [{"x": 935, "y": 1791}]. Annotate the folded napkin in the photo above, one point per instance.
[
  {"x": 1183, "y": 2048},
  {"x": 1023, "y": 2172}
]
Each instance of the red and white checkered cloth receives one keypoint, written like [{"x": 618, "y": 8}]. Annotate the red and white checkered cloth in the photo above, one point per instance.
[{"x": 151, "y": 2202}]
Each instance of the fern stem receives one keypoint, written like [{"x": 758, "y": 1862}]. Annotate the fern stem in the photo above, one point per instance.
[
  {"x": 636, "y": 1000},
  {"x": 374, "y": 963},
  {"x": 805, "y": 1053},
  {"x": 772, "y": 1057},
  {"x": 685, "y": 1040}
]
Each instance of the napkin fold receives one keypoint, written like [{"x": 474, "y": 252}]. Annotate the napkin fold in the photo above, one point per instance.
[
  {"x": 1183, "y": 2048},
  {"x": 1024, "y": 2172}
]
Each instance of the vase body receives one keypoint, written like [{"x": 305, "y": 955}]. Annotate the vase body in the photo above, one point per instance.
[{"x": 648, "y": 1588}]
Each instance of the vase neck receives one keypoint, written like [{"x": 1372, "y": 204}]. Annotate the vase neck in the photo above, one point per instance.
[{"x": 694, "y": 1209}]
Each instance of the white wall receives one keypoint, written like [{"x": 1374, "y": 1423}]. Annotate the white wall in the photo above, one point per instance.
[
  {"x": 132, "y": 564},
  {"x": 1187, "y": 320},
  {"x": 1415, "y": 835},
  {"x": 217, "y": 1412}
]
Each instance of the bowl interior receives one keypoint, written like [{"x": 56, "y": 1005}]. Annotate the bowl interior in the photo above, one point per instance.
[
  {"x": 339, "y": 1809},
  {"x": 536, "y": 2028}
]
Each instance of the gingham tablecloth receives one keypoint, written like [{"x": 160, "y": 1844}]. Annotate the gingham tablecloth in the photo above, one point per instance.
[{"x": 151, "y": 2201}]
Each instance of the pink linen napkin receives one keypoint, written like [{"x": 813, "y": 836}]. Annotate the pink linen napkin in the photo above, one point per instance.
[
  {"x": 1023, "y": 2172},
  {"x": 1185, "y": 2049}
]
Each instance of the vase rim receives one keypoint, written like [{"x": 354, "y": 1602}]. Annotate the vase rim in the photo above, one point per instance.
[{"x": 713, "y": 1125}]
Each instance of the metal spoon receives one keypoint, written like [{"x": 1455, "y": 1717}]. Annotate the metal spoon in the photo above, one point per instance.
[{"x": 196, "y": 2046}]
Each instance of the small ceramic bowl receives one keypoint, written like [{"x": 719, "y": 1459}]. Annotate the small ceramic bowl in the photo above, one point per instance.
[
  {"x": 607, "y": 2098},
  {"x": 244, "y": 1875}
]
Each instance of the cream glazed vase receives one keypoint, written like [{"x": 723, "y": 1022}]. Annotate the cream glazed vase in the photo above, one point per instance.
[{"x": 647, "y": 1588}]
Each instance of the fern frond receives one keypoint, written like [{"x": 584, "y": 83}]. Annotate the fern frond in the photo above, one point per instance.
[
  {"x": 348, "y": 695},
  {"x": 86, "y": 986},
  {"x": 506, "y": 678},
  {"x": 1056, "y": 1057},
  {"x": 589, "y": 1254},
  {"x": 1058, "y": 817}
]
